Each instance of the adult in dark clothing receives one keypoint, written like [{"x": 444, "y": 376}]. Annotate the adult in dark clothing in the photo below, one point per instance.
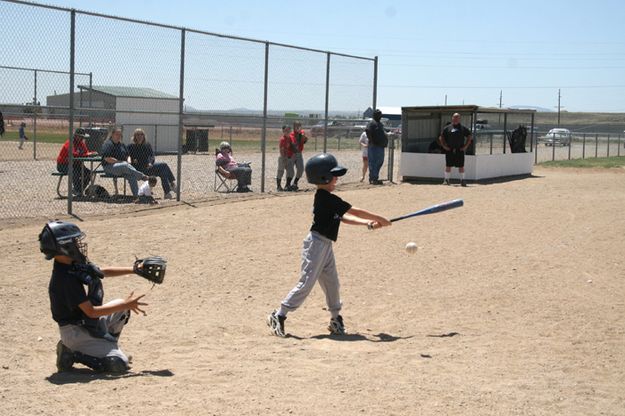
[
  {"x": 455, "y": 139},
  {"x": 115, "y": 161},
  {"x": 142, "y": 158},
  {"x": 378, "y": 140}
]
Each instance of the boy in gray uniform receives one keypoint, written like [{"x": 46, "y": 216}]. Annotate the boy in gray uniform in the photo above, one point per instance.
[
  {"x": 88, "y": 327},
  {"x": 318, "y": 261}
]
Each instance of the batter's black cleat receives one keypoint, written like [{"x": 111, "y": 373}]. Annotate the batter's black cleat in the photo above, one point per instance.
[
  {"x": 64, "y": 358},
  {"x": 463, "y": 183},
  {"x": 275, "y": 323},
  {"x": 446, "y": 182},
  {"x": 336, "y": 326}
]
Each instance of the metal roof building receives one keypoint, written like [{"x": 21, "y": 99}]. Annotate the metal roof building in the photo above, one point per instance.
[{"x": 154, "y": 111}]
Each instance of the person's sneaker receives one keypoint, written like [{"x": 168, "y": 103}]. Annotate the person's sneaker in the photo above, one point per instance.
[
  {"x": 294, "y": 188},
  {"x": 275, "y": 323},
  {"x": 280, "y": 189},
  {"x": 173, "y": 185},
  {"x": 64, "y": 357},
  {"x": 463, "y": 183},
  {"x": 336, "y": 326},
  {"x": 446, "y": 182},
  {"x": 169, "y": 195}
]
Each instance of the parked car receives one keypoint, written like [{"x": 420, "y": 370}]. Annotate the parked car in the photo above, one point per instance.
[
  {"x": 335, "y": 128},
  {"x": 558, "y": 136},
  {"x": 346, "y": 129}
]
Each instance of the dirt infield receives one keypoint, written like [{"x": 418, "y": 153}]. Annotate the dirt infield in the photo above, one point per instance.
[{"x": 513, "y": 305}]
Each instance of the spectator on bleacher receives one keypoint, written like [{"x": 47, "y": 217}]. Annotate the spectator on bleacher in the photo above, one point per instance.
[
  {"x": 241, "y": 171},
  {"x": 142, "y": 158},
  {"x": 81, "y": 175},
  {"x": 115, "y": 161}
]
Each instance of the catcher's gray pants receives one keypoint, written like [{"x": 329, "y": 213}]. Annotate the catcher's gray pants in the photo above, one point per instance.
[
  {"x": 299, "y": 164},
  {"x": 77, "y": 338},
  {"x": 285, "y": 163},
  {"x": 317, "y": 264}
]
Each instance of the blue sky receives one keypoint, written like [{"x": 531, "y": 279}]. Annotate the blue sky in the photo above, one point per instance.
[{"x": 462, "y": 51}]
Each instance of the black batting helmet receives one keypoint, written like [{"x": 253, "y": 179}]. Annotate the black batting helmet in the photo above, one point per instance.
[
  {"x": 322, "y": 167},
  {"x": 63, "y": 238}
]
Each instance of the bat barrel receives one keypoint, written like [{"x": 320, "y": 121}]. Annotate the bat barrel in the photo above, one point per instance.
[{"x": 456, "y": 203}]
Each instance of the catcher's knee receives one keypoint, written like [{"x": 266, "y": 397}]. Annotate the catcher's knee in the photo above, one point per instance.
[{"x": 115, "y": 365}]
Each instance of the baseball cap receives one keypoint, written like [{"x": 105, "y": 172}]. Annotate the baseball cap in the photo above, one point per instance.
[{"x": 82, "y": 133}]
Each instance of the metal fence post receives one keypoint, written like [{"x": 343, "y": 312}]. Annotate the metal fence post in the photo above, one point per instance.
[
  {"x": 597, "y": 145},
  {"x": 263, "y": 140},
  {"x": 608, "y": 152},
  {"x": 35, "y": 119},
  {"x": 536, "y": 152},
  {"x": 570, "y": 145},
  {"x": 532, "y": 133},
  {"x": 325, "y": 127},
  {"x": 553, "y": 147},
  {"x": 183, "y": 35},
  {"x": 72, "y": 63},
  {"x": 90, "y": 99},
  {"x": 505, "y": 131},
  {"x": 584, "y": 146},
  {"x": 618, "y": 147}
]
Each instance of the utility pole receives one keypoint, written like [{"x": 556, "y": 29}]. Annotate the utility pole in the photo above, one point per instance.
[
  {"x": 500, "y": 103},
  {"x": 559, "y": 96},
  {"x": 445, "y": 99}
]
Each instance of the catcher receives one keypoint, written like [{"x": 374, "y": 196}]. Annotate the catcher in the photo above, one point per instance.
[{"x": 89, "y": 328}]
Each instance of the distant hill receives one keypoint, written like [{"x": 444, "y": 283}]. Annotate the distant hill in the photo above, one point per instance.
[
  {"x": 531, "y": 107},
  {"x": 613, "y": 123}
]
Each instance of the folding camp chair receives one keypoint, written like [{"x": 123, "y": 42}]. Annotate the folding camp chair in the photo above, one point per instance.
[{"x": 227, "y": 181}]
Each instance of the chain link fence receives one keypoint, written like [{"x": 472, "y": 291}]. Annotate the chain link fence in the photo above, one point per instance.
[{"x": 187, "y": 90}]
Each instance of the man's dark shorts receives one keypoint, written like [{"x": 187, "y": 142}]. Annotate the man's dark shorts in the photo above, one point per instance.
[{"x": 454, "y": 158}]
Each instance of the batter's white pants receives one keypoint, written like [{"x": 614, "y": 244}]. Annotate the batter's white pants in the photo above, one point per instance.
[{"x": 317, "y": 264}]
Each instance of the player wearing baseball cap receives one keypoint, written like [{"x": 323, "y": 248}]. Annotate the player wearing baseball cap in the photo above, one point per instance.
[{"x": 318, "y": 261}]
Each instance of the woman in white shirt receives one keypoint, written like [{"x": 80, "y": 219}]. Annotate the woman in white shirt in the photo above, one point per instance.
[{"x": 364, "y": 143}]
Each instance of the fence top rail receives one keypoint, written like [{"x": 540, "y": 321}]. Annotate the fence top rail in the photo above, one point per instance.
[
  {"x": 146, "y": 22},
  {"x": 51, "y": 71}
]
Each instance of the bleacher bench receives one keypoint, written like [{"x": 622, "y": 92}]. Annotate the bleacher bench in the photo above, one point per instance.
[{"x": 99, "y": 172}]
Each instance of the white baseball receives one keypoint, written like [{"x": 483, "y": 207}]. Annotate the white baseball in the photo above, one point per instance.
[{"x": 411, "y": 248}]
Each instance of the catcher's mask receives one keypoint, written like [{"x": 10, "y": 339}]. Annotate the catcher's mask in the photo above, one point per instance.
[
  {"x": 63, "y": 238},
  {"x": 322, "y": 167}
]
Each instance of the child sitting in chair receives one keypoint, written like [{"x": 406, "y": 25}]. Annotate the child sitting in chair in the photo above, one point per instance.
[{"x": 241, "y": 171}]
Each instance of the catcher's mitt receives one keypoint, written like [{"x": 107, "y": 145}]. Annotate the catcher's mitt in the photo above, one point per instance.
[{"x": 151, "y": 268}]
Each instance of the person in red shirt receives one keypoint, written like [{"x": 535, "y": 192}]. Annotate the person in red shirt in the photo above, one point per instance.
[
  {"x": 285, "y": 160},
  {"x": 81, "y": 174},
  {"x": 298, "y": 139}
]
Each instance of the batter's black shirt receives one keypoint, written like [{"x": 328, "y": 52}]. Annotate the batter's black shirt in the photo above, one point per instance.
[
  {"x": 67, "y": 291},
  {"x": 455, "y": 135},
  {"x": 328, "y": 209}
]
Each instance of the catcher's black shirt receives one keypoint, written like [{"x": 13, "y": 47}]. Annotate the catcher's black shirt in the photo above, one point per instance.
[
  {"x": 67, "y": 291},
  {"x": 328, "y": 209}
]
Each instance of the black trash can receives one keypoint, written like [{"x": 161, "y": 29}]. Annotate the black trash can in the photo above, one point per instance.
[
  {"x": 197, "y": 140},
  {"x": 97, "y": 136}
]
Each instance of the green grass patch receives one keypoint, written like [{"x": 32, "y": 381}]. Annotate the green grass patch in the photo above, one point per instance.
[
  {"x": 599, "y": 162},
  {"x": 43, "y": 137}
]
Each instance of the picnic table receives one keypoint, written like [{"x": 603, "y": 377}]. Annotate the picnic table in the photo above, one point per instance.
[{"x": 93, "y": 160}]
